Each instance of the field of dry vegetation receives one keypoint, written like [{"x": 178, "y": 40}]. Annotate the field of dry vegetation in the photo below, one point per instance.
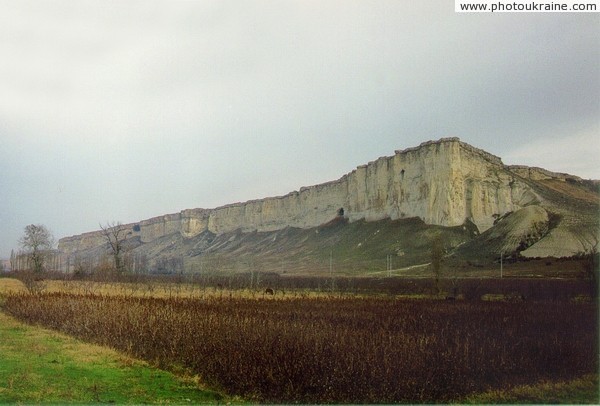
[{"x": 334, "y": 349}]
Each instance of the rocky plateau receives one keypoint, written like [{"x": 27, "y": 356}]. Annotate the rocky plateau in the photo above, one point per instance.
[{"x": 393, "y": 206}]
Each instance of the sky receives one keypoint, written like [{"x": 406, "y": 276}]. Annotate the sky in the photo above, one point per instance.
[{"x": 125, "y": 110}]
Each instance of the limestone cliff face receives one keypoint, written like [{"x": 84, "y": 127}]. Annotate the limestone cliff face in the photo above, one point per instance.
[{"x": 445, "y": 182}]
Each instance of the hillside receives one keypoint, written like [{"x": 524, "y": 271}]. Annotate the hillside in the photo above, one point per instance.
[
  {"x": 350, "y": 248},
  {"x": 387, "y": 210}
]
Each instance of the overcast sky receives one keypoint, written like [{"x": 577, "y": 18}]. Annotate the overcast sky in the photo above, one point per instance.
[{"x": 121, "y": 111}]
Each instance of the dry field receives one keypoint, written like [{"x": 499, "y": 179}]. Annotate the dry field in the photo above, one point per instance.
[{"x": 331, "y": 349}]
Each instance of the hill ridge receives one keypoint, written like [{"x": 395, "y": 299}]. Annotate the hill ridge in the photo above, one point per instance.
[{"x": 445, "y": 183}]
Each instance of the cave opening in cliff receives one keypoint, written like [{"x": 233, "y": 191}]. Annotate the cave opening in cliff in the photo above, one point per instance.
[
  {"x": 402, "y": 174},
  {"x": 340, "y": 212}
]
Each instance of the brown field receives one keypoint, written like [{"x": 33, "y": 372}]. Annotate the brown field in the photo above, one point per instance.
[
  {"x": 336, "y": 348},
  {"x": 548, "y": 285}
]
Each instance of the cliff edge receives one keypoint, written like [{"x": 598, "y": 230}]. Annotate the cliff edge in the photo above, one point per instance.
[{"x": 446, "y": 183}]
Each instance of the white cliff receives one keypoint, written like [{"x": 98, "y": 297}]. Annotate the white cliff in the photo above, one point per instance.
[{"x": 445, "y": 182}]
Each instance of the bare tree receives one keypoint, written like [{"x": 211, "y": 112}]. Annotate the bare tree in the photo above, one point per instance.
[
  {"x": 590, "y": 269},
  {"x": 37, "y": 243},
  {"x": 13, "y": 260},
  {"x": 437, "y": 253},
  {"x": 115, "y": 235}
]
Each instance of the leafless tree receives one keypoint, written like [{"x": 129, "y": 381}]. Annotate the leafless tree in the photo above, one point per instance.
[
  {"x": 115, "y": 235},
  {"x": 37, "y": 243},
  {"x": 13, "y": 260},
  {"x": 437, "y": 252},
  {"x": 81, "y": 267},
  {"x": 590, "y": 269}
]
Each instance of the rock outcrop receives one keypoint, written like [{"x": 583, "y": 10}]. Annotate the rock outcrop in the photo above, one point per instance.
[{"x": 445, "y": 182}]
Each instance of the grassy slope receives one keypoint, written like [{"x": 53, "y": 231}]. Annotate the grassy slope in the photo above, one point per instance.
[
  {"x": 38, "y": 365},
  {"x": 358, "y": 248}
]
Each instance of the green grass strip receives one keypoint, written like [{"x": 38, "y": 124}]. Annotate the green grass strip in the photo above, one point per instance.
[
  {"x": 582, "y": 390},
  {"x": 42, "y": 366}
]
